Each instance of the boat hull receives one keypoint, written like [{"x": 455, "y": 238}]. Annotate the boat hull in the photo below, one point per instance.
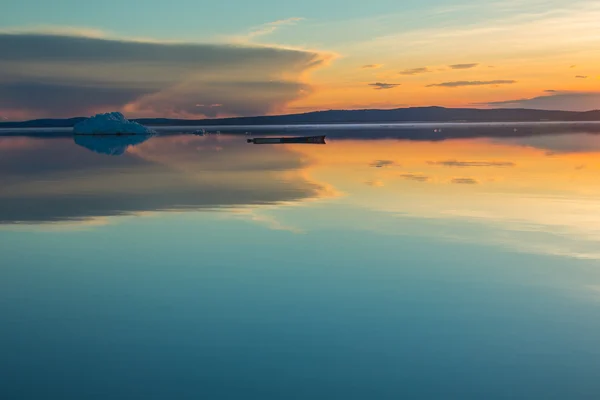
[{"x": 283, "y": 140}]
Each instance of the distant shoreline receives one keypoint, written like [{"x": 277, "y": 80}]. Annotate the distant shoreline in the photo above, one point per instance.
[
  {"x": 414, "y": 115},
  {"x": 427, "y": 131}
]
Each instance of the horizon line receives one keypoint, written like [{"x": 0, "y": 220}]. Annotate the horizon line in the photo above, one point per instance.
[{"x": 7, "y": 121}]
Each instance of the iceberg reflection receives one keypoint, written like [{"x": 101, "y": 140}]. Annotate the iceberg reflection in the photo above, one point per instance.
[{"x": 110, "y": 144}]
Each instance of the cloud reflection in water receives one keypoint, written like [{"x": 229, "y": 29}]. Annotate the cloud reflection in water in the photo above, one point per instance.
[{"x": 51, "y": 180}]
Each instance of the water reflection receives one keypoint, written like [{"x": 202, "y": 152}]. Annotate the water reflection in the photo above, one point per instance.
[
  {"x": 50, "y": 180},
  {"x": 110, "y": 144},
  {"x": 509, "y": 187},
  {"x": 417, "y": 131},
  {"x": 483, "y": 191},
  {"x": 401, "y": 276}
]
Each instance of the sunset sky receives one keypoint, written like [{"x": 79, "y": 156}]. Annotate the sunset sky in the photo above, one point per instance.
[{"x": 193, "y": 59}]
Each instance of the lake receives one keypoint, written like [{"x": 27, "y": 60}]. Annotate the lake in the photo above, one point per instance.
[{"x": 413, "y": 262}]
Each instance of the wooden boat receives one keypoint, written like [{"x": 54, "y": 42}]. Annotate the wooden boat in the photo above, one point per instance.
[
  {"x": 111, "y": 134},
  {"x": 279, "y": 140}
]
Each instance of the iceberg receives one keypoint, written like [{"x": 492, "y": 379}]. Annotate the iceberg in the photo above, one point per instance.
[{"x": 113, "y": 123}]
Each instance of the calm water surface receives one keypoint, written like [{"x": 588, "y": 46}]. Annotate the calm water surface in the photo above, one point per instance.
[{"x": 465, "y": 266}]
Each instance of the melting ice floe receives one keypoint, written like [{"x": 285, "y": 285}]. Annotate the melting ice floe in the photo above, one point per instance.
[{"x": 112, "y": 123}]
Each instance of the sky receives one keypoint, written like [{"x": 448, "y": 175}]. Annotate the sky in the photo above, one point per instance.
[{"x": 190, "y": 59}]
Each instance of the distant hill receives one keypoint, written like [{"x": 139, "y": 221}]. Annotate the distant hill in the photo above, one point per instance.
[
  {"x": 413, "y": 114},
  {"x": 43, "y": 123}
]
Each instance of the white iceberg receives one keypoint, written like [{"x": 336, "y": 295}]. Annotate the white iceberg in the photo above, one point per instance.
[{"x": 113, "y": 123}]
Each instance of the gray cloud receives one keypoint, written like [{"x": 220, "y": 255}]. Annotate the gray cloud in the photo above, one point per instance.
[
  {"x": 382, "y": 163},
  {"x": 464, "y": 181},
  {"x": 472, "y": 83},
  {"x": 381, "y": 85},
  {"x": 550, "y": 91},
  {"x": 415, "y": 71},
  {"x": 463, "y": 66},
  {"x": 61, "y": 48},
  {"x": 456, "y": 163},
  {"x": 237, "y": 98},
  {"x": 581, "y": 76},
  {"x": 87, "y": 74},
  {"x": 55, "y": 99},
  {"x": 415, "y": 177},
  {"x": 556, "y": 100},
  {"x": 371, "y": 66}
]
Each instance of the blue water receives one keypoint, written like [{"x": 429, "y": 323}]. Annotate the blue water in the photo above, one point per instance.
[{"x": 206, "y": 268}]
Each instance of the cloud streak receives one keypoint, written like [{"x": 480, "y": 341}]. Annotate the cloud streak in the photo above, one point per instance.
[
  {"x": 456, "y": 163},
  {"x": 271, "y": 27},
  {"x": 415, "y": 71},
  {"x": 554, "y": 100},
  {"x": 463, "y": 66},
  {"x": 415, "y": 177},
  {"x": 456, "y": 84},
  {"x": 464, "y": 181},
  {"x": 383, "y": 85},
  {"x": 375, "y": 183},
  {"x": 371, "y": 66},
  {"x": 383, "y": 163}
]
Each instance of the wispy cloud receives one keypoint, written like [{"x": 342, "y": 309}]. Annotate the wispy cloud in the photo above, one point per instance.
[
  {"x": 463, "y": 66},
  {"x": 456, "y": 163},
  {"x": 554, "y": 100},
  {"x": 371, "y": 66},
  {"x": 56, "y": 30},
  {"x": 415, "y": 177},
  {"x": 209, "y": 105},
  {"x": 374, "y": 183},
  {"x": 415, "y": 71},
  {"x": 581, "y": 76},
  {"x": 473, "y": 83},
  {"x": 271, "y": 27},
  {"x": 546, "y": 31},
  {"x": 464, "y": 181},
  {"x": 270, "y": 221},
  {"x": 383, "y": 163},
  {"x": 383, "y": 85}
]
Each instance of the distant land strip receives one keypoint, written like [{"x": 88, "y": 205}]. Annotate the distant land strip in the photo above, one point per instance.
[{"x": 411, "y": 114}]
